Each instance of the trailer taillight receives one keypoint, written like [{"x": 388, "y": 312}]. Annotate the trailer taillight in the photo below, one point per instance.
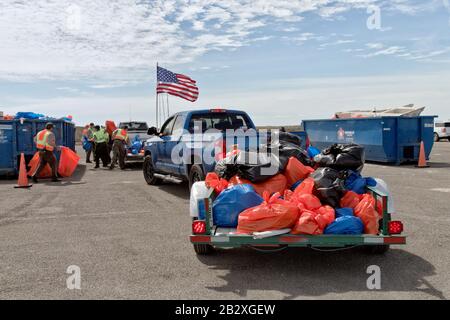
[
  {"x": 198, "y": 227},
  {"x": 395, "y": 227}
]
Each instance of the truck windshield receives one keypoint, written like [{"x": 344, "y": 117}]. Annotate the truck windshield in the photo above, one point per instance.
[
  {"x": 218, "y": 121},
  {"x": 141, "y": 126}
]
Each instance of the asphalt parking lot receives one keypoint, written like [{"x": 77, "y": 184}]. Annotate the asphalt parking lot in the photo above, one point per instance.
[{"x": 130, "y": 241}]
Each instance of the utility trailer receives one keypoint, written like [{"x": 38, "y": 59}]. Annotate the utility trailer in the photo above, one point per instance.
[{"x": 206, "y": 236}]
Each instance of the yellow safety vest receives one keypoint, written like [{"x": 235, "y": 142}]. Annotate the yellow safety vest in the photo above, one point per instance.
[
  {"x": 121, "y": 134},
  {"x": 42, "y": 140}
]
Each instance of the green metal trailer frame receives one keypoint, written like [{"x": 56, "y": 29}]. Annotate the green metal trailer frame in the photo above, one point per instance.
[{"x": 214, "y": 238}]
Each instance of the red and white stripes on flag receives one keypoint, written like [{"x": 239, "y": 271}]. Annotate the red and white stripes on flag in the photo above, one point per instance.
[{"x": 176, "y": 84}]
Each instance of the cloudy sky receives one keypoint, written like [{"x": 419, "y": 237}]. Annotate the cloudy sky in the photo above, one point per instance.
[{"x": 279, "y": 60}]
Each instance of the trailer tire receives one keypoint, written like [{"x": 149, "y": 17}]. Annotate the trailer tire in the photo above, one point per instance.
[
  {"x": 195, "y": 174},
  {"x": 378, "y": 249},
  {"x": 149, "y": 171},
  {"x": 203, "y": 249}
]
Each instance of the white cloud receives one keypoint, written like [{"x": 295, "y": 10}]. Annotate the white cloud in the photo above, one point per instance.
[
  {"x": 41, "y": 39},
  {"x": 374, "y": 45}
]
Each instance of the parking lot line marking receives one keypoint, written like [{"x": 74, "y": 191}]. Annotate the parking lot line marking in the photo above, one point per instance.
[{"x": 446, "y": 190}]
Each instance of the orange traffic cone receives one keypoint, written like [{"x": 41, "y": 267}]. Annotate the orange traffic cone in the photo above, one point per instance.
[
  {"x": 422, "y": 158},
  {"x": 23, "y": 178}
]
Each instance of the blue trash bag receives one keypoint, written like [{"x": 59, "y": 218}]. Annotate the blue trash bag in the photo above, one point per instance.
[
  {"x": 231, "y": 202},
  {"x": 346, "y": 225},
  {"x": 29, "y": 115},
  {"x": 312, "y": 152},
  {"x": 295, "y": 185},
  {"x": 356, "y": 183},
  {"x": 344, "y": 212},
  {"x": 86, "y": 144},
  {"x": 136, "y": 145}
]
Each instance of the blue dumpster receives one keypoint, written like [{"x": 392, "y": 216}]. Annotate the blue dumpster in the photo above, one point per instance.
[
  {"x": 386, "y": 139},
  {"x": 17, "y": 137}
]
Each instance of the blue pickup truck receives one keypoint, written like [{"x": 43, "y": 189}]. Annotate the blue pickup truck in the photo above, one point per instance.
[{"x": 179, "y": 148}]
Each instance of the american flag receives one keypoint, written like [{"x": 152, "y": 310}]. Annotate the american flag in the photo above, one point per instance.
[{"x": 176, "y": 84}]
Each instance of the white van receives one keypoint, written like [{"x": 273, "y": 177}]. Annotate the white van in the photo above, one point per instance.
[{"x": 441, "y": 131}]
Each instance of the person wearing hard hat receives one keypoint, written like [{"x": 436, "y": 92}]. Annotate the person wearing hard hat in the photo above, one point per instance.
[
  {"x": 101, "y": 138},
  {"x": 46, "y": 145},
  {"x": 120, "y": 141}
]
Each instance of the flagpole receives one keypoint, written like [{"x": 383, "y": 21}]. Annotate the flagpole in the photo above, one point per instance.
[
  {"x": 168, "y": 110},
  {"x": 156, "y": 91}
]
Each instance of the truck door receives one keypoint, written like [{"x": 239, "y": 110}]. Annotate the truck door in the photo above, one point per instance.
[
  {"x": 161, "y": 155},
  {"x": 174, "y": 165}
]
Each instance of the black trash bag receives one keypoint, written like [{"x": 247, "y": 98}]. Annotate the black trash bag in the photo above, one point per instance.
[
  {"x": 330, "y": 186},
  {"x": 342, "y": 157},
  {"x": 351, "y": 157},
  {"x": 325, "y": 160},
  {"x": 257, "y": 167},
  {"x": 227, "y": 167},
  {"x": 287, "y": 150},
  {"x": 290, "y": 138}
]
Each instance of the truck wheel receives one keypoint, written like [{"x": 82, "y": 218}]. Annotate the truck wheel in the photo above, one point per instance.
[
  {"x": 436, "y": 137},
  {"x": 203, "y": 249},
  {"x": 378, "y": 249},
  {"x": 195, "y": 174},
  {"x": 149, "y": 171}
]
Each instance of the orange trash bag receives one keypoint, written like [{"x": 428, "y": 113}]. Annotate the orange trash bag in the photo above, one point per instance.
[
  {"x": 306, "y": 187},
  {"x": 34, "y": 164},
  {"x": 350, "y": 200},
  {"x": 366, "y": 211},
  {"x": 295, "y": 171},
  {"x": 273, "y": 185},
  {"x": 303, "y": 201},
  {"x": 110, "y": 127},
  {"x": 314, "y": 222},
  {"x": 68, "y": 162},
  {"x": 307, "y": 224},
  {"x": 273, "y": 214},
  {"x": 325, "y": 216},
  {"x": 213, "y": 181}
]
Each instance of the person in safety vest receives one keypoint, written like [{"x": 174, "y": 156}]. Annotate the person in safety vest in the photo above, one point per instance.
[
  {"x": 46, "y": 144},
  {"x": 101, "y": 138},
  {"x": 90, "y": 138},
  {"x": 120, "y": 141}
]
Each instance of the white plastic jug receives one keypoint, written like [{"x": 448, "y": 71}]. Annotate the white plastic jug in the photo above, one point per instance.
[
  {"x": 199, "y": 191},
  {"x": 383, "y": 187}
]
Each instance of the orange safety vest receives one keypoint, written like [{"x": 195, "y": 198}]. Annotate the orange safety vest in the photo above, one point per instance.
[
  {"x": 120, "y": 134},
  {"x": 41, "y": 140}
]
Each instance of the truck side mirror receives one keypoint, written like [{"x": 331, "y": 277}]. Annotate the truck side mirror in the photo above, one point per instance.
[{"x": 152, "y": 131}]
